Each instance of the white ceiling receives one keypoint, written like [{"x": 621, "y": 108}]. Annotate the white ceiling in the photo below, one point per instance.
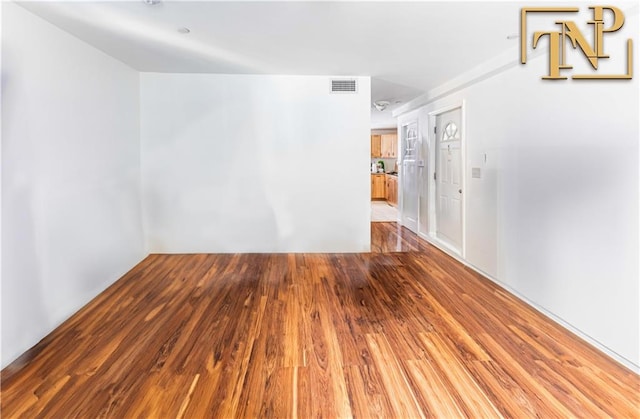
[{"x": 406, "y": 47}]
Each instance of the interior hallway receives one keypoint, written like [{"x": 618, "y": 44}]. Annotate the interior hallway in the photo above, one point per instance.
[{"x": 401, "y": 334}]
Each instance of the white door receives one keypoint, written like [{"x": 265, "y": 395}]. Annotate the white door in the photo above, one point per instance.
[
  {"x": 423, "y": 185},
  {"x": 449, "y": 178},
  {"x": 409, "y": 176}
]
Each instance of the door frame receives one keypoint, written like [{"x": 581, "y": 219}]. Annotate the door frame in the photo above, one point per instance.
[{"x": 463, "y": 175}]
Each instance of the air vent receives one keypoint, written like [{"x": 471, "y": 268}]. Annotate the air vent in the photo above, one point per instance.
[{"x": 344, "y": 86}]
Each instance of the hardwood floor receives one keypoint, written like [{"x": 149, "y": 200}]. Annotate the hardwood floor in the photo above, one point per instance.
[
  {"x": 392, "y": 237},
  {"x": 408, "y": 334}
]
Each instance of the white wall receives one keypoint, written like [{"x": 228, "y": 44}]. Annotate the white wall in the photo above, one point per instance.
[
  {"x": 555, "y": 214},
  {"x": 291, "y": 171},
  {"x": 383, "y": 131},
  {"x": 71, "y": 210}
]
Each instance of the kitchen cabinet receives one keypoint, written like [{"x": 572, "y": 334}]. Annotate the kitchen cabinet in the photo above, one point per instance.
[
  {"x": 389, "y": 145},
  {"x": 376, "y": 142},
  {"x": 378, "y": 186},
  {"x": 392, "y": 190}
]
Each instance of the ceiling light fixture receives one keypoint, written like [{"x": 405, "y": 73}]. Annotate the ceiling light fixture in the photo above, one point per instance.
[
  {"x": 151, "y": 2},
  {"x": 381, "y": 105},
  {"x": 184, "y": 30}
]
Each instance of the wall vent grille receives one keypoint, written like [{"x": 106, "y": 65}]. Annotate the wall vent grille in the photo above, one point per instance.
[{"x": 344, "y": 86}]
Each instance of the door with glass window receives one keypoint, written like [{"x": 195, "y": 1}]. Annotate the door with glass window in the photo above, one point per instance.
[{"x": 449, "y": 178}]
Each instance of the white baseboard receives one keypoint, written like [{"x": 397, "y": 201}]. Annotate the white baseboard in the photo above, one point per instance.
[{"x": 593, "y": 342}]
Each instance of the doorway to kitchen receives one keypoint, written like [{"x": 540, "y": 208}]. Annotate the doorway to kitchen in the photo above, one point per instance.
[{"x": 384, "y": 175}]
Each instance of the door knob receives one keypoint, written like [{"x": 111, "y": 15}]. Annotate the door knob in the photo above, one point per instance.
[{"x": 459, "y": 190}]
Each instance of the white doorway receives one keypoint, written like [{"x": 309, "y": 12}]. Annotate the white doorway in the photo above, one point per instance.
[
  {"x": 448, "y": 179},
  {"x": 409, "y": 175}
]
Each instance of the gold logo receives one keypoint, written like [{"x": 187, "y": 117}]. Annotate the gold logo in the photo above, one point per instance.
[{"x": 569, "y": 34}]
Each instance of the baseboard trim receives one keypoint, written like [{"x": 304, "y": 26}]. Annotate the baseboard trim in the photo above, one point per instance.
[{"x": 630, "y": 365}]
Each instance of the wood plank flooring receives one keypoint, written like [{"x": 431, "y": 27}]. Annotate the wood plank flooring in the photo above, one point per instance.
[
  {"x": 406, "y": 334},
  {"x": 392, "y": 237}
]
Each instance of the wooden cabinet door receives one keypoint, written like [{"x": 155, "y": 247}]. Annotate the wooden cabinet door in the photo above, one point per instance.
[
  {"x": 392, "y": 190},
  {"x": 382, "y": 192},
  {"x": 389, "y": 145},
  {"x": 394, "y": 148},
  {"x": 395, "y": 192},
  {"x": 378, "y": 187},
  {"x": 376, "y": 146}
]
